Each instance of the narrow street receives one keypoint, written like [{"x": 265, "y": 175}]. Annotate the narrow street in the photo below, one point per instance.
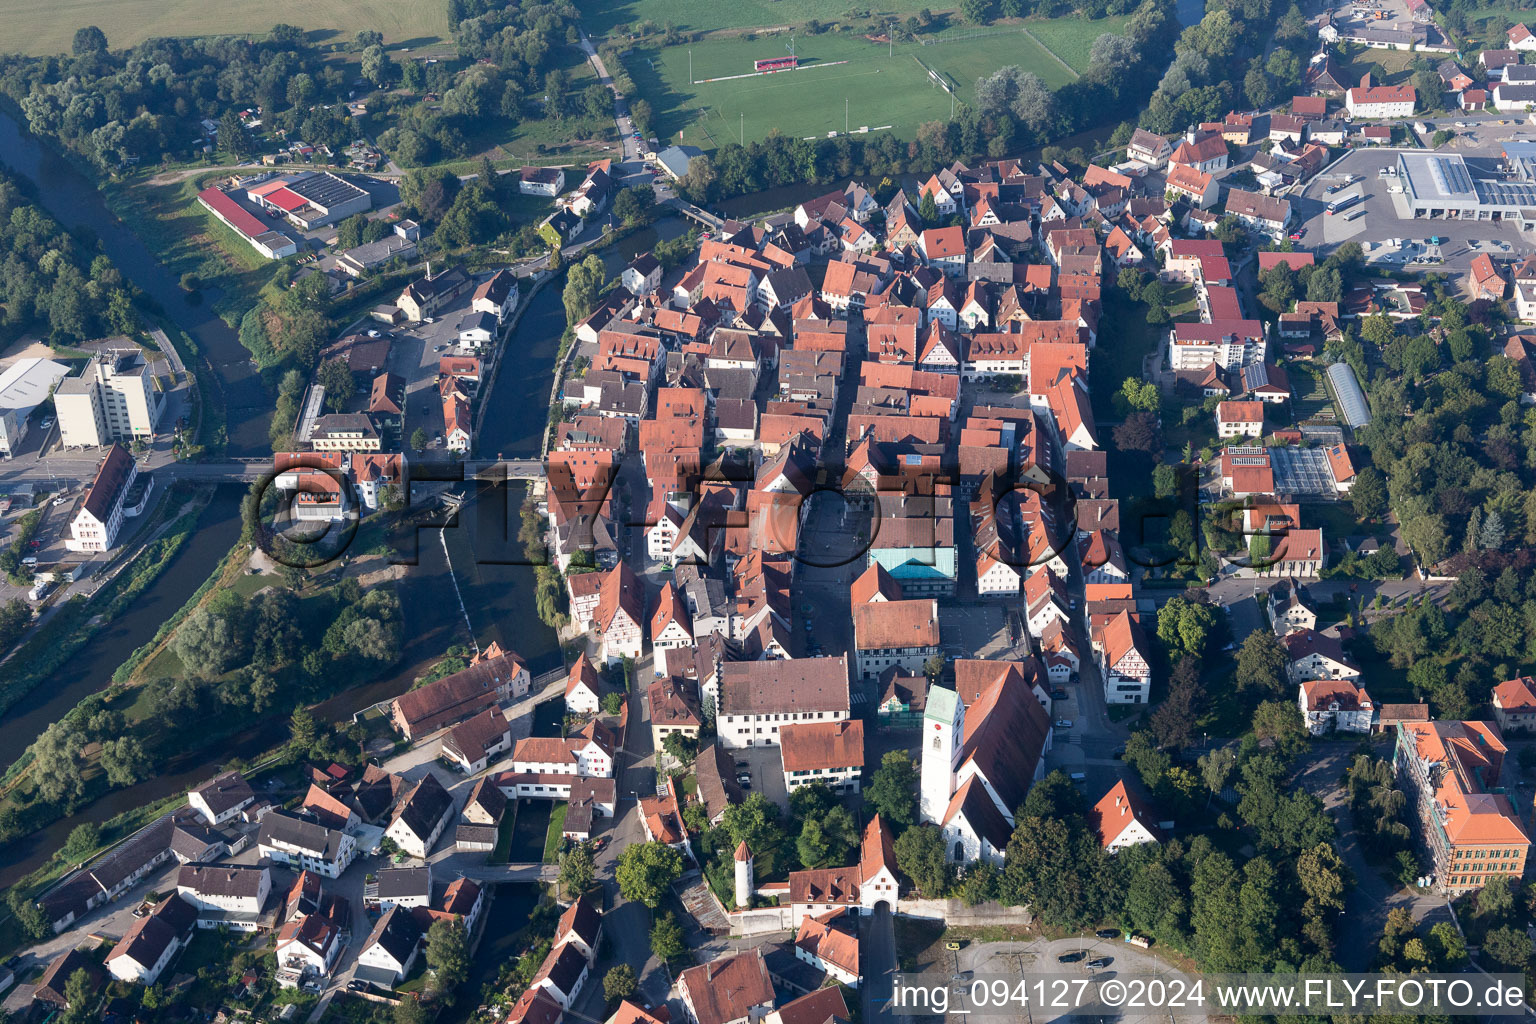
[{"x": 878, "y": 955}]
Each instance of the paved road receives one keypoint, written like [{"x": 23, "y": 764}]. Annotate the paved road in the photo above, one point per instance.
[
  {"x": 1237, "y": 595},
  {"x": 626, "y": 127},
  {"x": 878, "y": 956}
]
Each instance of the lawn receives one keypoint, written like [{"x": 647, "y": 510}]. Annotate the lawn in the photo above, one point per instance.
[
  {"x": 882, "y": 88},
  {"x": 1479, "y": 28},
  {"x": 1182, "y": 306},
  {"x": 1388, "y": 67},
  {"x": 533, "y": 140},
  {"x": 44, "y": 28},
  {"x": 556, "y": 832},
  {"x": 1337, "y": 519},
  {"x": 1072, "y": 38}
]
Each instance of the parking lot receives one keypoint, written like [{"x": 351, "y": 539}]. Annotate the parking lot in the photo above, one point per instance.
[
  {"x": 765, "y": 765},
  {"x": 1387, "y": 236},
  {"x": 1039, "y": 958}
]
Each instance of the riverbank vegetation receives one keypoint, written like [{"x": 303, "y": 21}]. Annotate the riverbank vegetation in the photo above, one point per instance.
[
  {"x": 137, "y": 107},
  {"x": 1225, "y": 62},
  {"x": 81, "y": 618},
  {"x": 228, "y": 660},
  {"x": 53, "y": 286}
]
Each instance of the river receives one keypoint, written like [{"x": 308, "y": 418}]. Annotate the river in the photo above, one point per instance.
[
  {"x": 481, "y": 544},
  {"x": 499, "y": 595}
]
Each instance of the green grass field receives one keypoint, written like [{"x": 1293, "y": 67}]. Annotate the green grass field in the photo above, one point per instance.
[
  {"x": 40, "y": 27},
  {"x": 1072, "y": 38},
  {"x": 1387, "y": 67},
  {"x": 600, "y": 16},
  {"x": 187, "y": 238},
  {"x": 880, "y": 88}
]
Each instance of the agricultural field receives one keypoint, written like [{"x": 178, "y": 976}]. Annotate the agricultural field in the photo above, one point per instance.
[
  {"x": 600, "y": 16},
  {"x": 44, "y": 27},
  {"x": 882, "y": 88}
]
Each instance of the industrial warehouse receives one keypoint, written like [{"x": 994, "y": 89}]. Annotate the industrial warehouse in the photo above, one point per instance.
[
  {"x": 309, "y": 200},
  {"x": 1449, "y": 185}
]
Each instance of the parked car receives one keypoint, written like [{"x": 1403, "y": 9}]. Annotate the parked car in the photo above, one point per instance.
[
  {"x": 1071, "y": 958},
  {"x": 1107, "y": 933},
  {"x": 1063, "y": 723},
  {"x": 1101, "y": 962},
  {"x": 1058, "y": 694},
  {"x": 744, "y": 779}
]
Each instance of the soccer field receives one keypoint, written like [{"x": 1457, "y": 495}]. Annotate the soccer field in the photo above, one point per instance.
[
  {"x": 48, "y": 26},
  {"x": 882, "y": 88}
]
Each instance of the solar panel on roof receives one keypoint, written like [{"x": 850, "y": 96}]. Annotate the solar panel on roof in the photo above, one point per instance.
[{"x": 1450, "y": 175}]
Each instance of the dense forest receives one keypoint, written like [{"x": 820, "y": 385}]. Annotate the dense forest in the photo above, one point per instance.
[
  {"x": 135, "y": 105},
  {"x": 242, "y": 660},
  {"x": 49, "y": 285}
]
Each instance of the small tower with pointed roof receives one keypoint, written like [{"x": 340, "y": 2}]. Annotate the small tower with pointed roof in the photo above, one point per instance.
[{"x": 744, "y": 881}]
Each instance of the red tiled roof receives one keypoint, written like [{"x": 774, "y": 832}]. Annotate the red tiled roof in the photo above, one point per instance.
[{"x": 808, "y": 746}]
